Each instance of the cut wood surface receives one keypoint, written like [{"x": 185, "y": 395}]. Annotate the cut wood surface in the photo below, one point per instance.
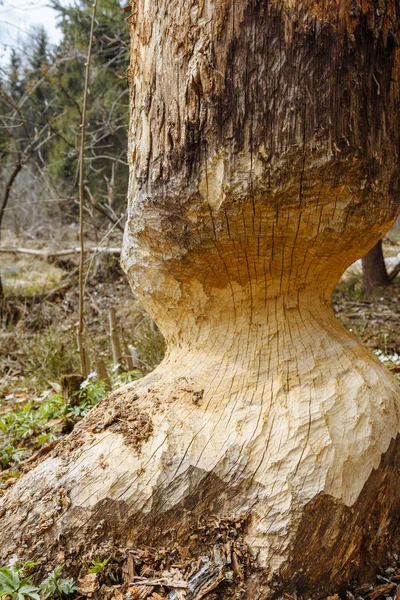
[{"x": 264, "y": 160}]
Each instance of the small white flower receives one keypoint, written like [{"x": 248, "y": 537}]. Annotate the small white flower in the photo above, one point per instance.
[
  {"x": 9, "y": 397},
  {"x": 92, "y": 375},
  {"x": 115, "y": 367},
  {"x": 84, "y": 384}
]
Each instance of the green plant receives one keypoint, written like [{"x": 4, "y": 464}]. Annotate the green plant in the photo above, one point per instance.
[
  {"x": 126, "y": 377},
  {"x": 351, "y": 287},
  {"x": 91, "y": 393},
  {"x": 55, "y": 586},
  {"x": 47, "y": 438},
  {"x": 28, "y": 565},
  {"x": 45, "y": 419},
  {"x": 10, "y": 474},
  {"x": 22, "y": 428},
  {"x": 15, "y": 587},
  {"x": 49, "y": 354},
  {"x": 98, "y": 566},
  {"x": 92, "y": 390},
  {"x": 10, "y": 454}
]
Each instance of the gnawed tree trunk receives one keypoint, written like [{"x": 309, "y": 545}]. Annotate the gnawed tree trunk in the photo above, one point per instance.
[
  {"x": 374, "y": 269},
  {"x": 264, "y": 151}
]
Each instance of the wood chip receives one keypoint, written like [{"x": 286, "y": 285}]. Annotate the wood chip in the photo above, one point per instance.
[
  {"x": 117, "y": 595},
  {"x": 160, "y": 581},
  {"x": 88, "y": 585},
  {"x": 237, "y": 569},
  {"x": 128, "y": 570},
  {"x": 380, "y": 590},
  {"x": 140, "y": 592},
  {"x": 210, "y": 579}
]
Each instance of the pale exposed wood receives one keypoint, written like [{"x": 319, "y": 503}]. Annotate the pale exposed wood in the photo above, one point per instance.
[
  {"x": 161, "y": 581},
  {"x": 241, "y": 220}
]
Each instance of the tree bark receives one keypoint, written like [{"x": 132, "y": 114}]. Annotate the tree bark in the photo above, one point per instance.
[
  {"x": 264, "y": 161},
  {"x": 3, "y": 206},
  {"x": 374, "y": 270}
]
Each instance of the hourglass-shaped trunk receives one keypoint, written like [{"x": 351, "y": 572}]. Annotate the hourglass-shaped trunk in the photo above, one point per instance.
[
  {"x": 264, "y": 141},
  {"x": 264, "y": 149}
]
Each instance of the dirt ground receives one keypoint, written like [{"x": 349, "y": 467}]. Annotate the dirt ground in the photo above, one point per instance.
[{"x": 375, "y": 322}]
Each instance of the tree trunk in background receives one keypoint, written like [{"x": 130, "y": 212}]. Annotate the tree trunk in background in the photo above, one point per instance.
[
  {"x": 264, "y": 160},
  {"x": 374, "y": 269},
  {"x": 3, "y": 206}
]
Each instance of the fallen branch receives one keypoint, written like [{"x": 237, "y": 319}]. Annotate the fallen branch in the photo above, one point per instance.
[
  {"x": 49, "y": 255},
  {"x": 394, "y": 272},
  {"x": 160, "y": 581}
]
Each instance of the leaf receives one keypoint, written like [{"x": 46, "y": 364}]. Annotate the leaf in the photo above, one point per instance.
[
  {"x": 12, "y": 585},
  {"x": 54, "y": 585},
  {"x": 29, "y": 590},
  {"x": 66, "y": 586},
  {"x": 9, "y": 580}
]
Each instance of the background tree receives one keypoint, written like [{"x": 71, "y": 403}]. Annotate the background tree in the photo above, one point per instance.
[
  {"x": 107, "y": 116},
  {"x": 27, "y": 132},
  {"x": 374, "y": 269},
  {"x": 41, "y": 96}
]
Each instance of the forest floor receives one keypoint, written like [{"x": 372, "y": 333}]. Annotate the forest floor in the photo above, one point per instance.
[
  {"x": 38, "y": 346},
  {"x": 374, "y": 321}
]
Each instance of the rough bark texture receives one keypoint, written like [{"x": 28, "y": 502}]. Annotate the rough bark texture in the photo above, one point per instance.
[
  {"x": 374, "y": 269},
  {"x": 264, "y": 150}
]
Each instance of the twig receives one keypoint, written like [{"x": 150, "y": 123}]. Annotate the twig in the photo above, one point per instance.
[
  {"x": 48, "y": 255},
  {"x": 95, "y": 252},
  {"x": 63, "y": 282},
  {"x": 160, "y": 581},
  {"x": 105, "y": 213},
  {"x": 116, "y": 348},
  {"x": 394, "y": 272},
  {"x": 82, "y": 350}
]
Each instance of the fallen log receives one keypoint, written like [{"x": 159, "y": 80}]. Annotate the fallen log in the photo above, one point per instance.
[{"x": 48, "y": 255}]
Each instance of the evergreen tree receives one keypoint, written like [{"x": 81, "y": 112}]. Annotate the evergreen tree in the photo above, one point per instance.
[
  {"x": 16, "y": 88},
  {"x": 39, "y": 65},
  {"x": 107, "y": 118},
  {"x": 41, "y": 100}
]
